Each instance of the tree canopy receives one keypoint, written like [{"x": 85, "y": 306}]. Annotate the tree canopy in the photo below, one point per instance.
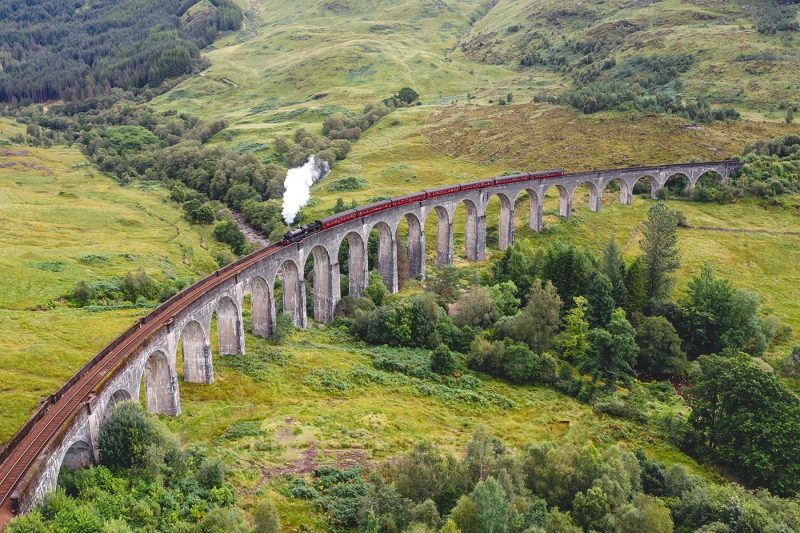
[{"x": 74, "y": 50}]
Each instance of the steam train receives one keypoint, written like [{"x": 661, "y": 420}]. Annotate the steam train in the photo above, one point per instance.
[{"x": 340, "y": 218}]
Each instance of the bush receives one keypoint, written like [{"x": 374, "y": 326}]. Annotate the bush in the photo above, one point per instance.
[
  {"x": 350, "y": 183},
  {"x": 476, "y": 308},
  {"x": 442, "y": 360},
  {"x": 266, "y": 518},
  {"x": 284, "y": 325},
  {"x": 376, "y": 290},
  {"x": 211, "y": 474},
  {"x": 228, "y": 232},
  {"x": 407, "y": 321},
  {"x": 520, "y": 364},
  {"x": 126, "y": 435}
]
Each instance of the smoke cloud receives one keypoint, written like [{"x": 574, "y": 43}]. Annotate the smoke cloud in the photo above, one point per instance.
[{"x": 298, "y": 186}]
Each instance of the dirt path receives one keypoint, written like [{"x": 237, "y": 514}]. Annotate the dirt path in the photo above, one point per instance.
[
  {"x": 742, "y": 230},
  {"x": 250, "y": 233},
  {"x": 632, "y": 238}
]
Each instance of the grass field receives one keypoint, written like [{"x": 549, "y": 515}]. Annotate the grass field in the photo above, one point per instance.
[
  {"x": 296, "y": 63},
  {"x": 273, "y": 417},
  {"x": 60, "y": 222}
]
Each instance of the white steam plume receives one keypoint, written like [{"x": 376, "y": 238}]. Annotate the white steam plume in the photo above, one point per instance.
[{"x": 298, "y": 186}]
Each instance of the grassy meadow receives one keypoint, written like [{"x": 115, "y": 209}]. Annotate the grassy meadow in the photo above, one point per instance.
[
  {"x": 61, "y": 221},
  {"x": 286, "y": 408}
]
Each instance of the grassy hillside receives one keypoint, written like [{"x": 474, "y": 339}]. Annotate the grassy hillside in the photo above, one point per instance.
[
  {"x": 732, "y": 61},
  {"x": 293, "y": 65},
  {"x": 62, "y": 222},
  {"x": 288, "y": 409}
]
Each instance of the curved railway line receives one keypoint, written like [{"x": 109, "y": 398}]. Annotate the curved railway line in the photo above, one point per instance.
[
  {"x": 52, "y": 418},
  {"x": 21, "y": 453}
]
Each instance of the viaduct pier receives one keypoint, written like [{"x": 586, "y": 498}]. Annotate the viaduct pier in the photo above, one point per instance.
[{"x": 142, "y": 362}]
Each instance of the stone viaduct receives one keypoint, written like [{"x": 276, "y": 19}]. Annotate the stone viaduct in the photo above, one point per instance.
[{"x": 181, "y": 329}]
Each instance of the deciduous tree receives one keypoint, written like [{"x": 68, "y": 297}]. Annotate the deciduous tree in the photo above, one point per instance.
[
  {"x": 612, "y": 351},
  {"x": 538, "y": 322}
]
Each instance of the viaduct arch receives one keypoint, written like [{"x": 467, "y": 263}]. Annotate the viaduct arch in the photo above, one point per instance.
[{"x": 64, "y": 430}]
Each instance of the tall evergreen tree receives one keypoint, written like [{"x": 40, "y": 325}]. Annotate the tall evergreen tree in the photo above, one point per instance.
[
  {"x": 660, "y": 247},
  {"x": 491, "y": 506},
  {"x": 599, "y": 294},
  {"x": 636, "y": 287},
  {"x": 537, "y": 324},
  {"x": 572, "y": 340},
  {"x": 614, "y": 267}
]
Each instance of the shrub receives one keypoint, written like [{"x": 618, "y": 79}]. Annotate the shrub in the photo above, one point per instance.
[
  {"x": 520, "y": 364},
  {"x": 126, "y": 435},
  {"x": 476, "y": 308},
  {"x": 266, "y": 518},
  {"x": 350, "y": 183},
  {"x": 442, "y": 360},
  {"x": 211, "y": 474},
  {"x": 376, "y": 290},
  {"x": 228, "y": 232},
  {"x": 284, "y": 325},
  {"x": 407, "y": 321}
]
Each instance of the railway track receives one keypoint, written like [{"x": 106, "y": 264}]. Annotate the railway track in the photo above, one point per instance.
[
  {"x": 27, "y": 445},
  {"x": 27, "y": 450}
]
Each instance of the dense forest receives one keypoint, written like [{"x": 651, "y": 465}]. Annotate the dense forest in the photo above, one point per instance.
[{"x": 77, "y": 49}]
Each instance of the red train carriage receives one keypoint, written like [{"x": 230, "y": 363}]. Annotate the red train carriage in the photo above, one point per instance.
[
  {"x": 374, "y": 208},
  {"x": 409, "y": 199},
  {"x": 527, "y": 177},
  {"x": 477, "y": 185},
  {"x": 339, "y": 218},
  {"x": 432, "y": 193}
]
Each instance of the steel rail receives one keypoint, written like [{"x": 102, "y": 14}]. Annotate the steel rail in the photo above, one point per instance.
[
  {"x": 26, "y": 452},
  {"x": 26, "y": 446}
]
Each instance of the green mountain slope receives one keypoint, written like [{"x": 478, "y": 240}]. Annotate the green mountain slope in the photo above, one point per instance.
[{"x": 737, "y": 52}]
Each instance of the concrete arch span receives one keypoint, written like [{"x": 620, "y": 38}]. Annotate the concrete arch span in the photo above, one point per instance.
[
  {"x": 706, "y": 175},
  {"x": 196, "y": 354},
  {"x": 535, "y": 221},
  {"x": 262, "y": 307},
  {"x": 161, "y": 385},
  {"x": 648, "y": 179},
  {"x": 475, "y": 231},
  {"x": 444, "y": 235},
  {"x": 505, "y": 230},
  {"x": 415, "y": 246},
  {"x": 625, "y": 190},
  {"x": 564, "y": 199},
  {"x": 119, "y": 396},
  {"x": 387, "y": 255},
  {"x": 80, "y": 454},
  {"x": 230, "y": 334},
  {"x": 325, "y": 283},
  {"x": 595, "y": 197},
  {"x": 357, "y": 264},
  {"x": 293, "y": 291}
]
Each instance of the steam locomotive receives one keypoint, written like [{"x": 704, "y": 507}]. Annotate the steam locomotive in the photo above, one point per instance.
[{"x": 340, "y": 218}]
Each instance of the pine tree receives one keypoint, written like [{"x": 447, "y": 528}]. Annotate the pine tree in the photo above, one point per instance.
[
  {"x": 599, "y": 294},
  {"x": 612, "y": 351},
  {"x": 614, "y": 267},
  {"x": 660, "y": 247},
  {"x": 636, "y": 287}
]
